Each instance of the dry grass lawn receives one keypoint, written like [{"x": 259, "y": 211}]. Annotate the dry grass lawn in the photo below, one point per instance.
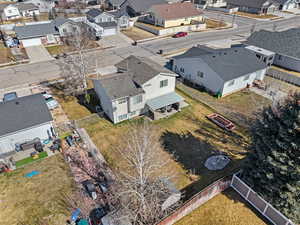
[
  {"x": 214, "y": 24},
  {"x": 26, "y": 200},
  {"x": 227, "y": 208},
  {"x": 136, "y": 33},
  {"x": 5, "y": 54},
  {"x": 257, "y": 16}
]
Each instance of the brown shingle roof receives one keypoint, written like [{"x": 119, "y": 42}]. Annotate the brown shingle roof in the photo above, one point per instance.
[{"x": 176, "y": 10}]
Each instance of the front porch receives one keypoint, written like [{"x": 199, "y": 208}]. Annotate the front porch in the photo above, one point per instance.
[{"x": 165, "y": 105}]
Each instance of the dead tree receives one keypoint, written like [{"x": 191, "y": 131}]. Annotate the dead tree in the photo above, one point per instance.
[{"x": 141, "y": 185}]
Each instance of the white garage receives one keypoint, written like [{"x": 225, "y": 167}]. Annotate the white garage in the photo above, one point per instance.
[
  {"x": 109, "y": 31},
  {"x": 31, "y": 42},
  {"x": 22, "y": 120}
]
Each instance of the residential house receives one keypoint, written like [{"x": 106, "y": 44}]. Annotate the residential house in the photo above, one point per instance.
[
  {"x": 288, "y": 4},
  {"x": 107, "y": 23},
  {"x": 45, "y": 33},
  {"x": 175, "y": 14},
  {"x": 114, "y": 4},
  {"x": 254, "y": 6},
  {"x": 9, "y": 11},
  {"x": 43, "y": 5},
  {"x": 220, "y": 71},
  {"x": 285, "y": 45},
  {"x": 141, "y": 87},
  {"x": 28, "y": 9},
  {"x": 136, "y": 8},
  {"x": 211, "y": 3},
  {"x": 24, "y": 119}
]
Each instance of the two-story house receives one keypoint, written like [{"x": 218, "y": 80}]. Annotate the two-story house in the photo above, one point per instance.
[
  {"x": 106, "y": 23},
  {"x": 219, "y": 71},
  {"x": 141, "y": 87}
]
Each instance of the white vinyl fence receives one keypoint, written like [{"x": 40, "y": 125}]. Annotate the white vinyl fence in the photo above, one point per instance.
[{"x": 266, "y": 209}]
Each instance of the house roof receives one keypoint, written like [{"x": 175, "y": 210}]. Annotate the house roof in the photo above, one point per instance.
[
  {"x": 94, "y": 12},
  {"x": 250, "y": 3},
  {"x": 284, "y": 42},
  {"x": 60, "y": 21},
  {"x": 119, "y": 85},
  {"x": 176, "y": 10},
  {"x": 26, "y": 6},
  {"x": 142, "y": 5},
  {"x": 4, "y": 5},
  {"x": 108, "y": 24},
  {"x": 118, "y": 13},
  {"x": 116, "y": 2},
  {"x": 141, "y": 69},
  {"x": 229, "y": 64},
  {"x": 23, "y": 113}
]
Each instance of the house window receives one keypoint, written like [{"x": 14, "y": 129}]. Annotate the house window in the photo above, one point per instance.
[
  {"x": 182, "y": 70},
  {"x": 279, "y": 57},
  {"x": 137, "y": 99},
  {"x": 163, "y": 83},
  {"x": 231, "y": 83},
  {"x": 122, "y": 101},
  {"x": 246, "y": 77},
  {"x": 258, "y": 56},
  {"x": 123, "y": 117},
  {"x": 132, "y": 113},
  {"x": 200, "y": 74}
]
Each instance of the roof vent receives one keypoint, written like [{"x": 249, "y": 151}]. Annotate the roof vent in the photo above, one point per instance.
[
  {"x": 225, "y": 53},
  {"x": 17, "y": 103}
]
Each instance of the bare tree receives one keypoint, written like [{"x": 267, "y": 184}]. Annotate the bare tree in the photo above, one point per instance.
[{"x": 141, "y": 185}]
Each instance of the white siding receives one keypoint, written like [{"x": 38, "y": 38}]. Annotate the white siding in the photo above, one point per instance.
[
  {"x": 104, "y": 18},
  {"x": 153, "y": 89},
  {"x": 7, "y": 143},
  {"x": 191, "y": 67}
]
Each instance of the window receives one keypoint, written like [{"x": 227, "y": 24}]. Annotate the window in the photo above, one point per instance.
[
  {"x": 279, "y": 57},
  {"x": 247, "y": 77},
  {"x": 258, "y": 56},
  {"x": 122, "y": 101},
  {"x": 200, "y": 74},
  {"x": 181, "y": 69},
  {"x": 132, "y": 113},
  {"x": 123, "y": 117},
  {"x": 109, "y": 19},
  {"x": 271, "y": 58},
  {"x": 231, "y": 83},
  {"x": 163, "y": 83},
  {"x": 137, "y": 99}
]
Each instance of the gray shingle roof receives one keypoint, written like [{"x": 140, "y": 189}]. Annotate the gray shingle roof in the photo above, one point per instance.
[
  {"x": 108, "y": 24},
  {"x": 60, "y": 21},
  {"x": 94, "y": 12},
  {"x": 284, "y": 42},
  {"x": 119, "y": 85},
  {"x": 142, "y": 5},
  {"x": 32, "y": 31},
  {"x": 141, "y": 69},
  {"x": 228, "y": 63},
  {"x": 22, "y": 113},
  {"x": 249, "y": 3}
]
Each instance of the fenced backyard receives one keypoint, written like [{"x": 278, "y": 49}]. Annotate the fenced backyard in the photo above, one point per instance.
[
  {"x": 284, "y": 76},
  {"x": 266, "y": 209}
]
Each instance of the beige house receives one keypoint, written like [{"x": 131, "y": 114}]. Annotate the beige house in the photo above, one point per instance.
[{"x": 175, "y": 14}]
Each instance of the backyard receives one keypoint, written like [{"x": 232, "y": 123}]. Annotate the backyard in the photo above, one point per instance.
[
  {"x": 30, "y": 200},
  {"x": 224, "y": 209}
]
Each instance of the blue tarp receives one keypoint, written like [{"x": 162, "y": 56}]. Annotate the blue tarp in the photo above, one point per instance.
[
  {"x": 75, "y": 214},
  {"x": 32, "y": 173}
]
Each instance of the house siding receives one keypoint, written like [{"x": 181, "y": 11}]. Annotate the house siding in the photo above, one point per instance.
[
  {"x": 287, "y": 62},
  {"x": 7, "y": 143}
]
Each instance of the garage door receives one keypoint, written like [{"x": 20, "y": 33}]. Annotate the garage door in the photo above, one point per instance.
[
  {"x": 31, "y": 42},
  {"x": 109, "y": 31}
]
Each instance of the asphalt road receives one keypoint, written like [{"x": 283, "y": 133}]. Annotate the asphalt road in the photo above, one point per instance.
[{"x": 19, "y": 75}]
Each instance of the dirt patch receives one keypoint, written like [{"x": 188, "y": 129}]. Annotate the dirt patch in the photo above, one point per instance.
[
  {"x": 257, "y": 16},
  {"x": 136, "y": 33},
  {"x": 28, "y": 200},
  {"x": 224, "y": 209},
  {"x": 214, "y": 24},
  {"x": 5, "y": 54}
]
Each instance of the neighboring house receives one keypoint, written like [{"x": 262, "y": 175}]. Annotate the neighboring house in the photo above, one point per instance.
[
  {"x": 140, "y": 87},
  {"x": 254, "y": 6},
  {"x": 65, "y": 26},
  {"x": 24, "y": 119},
  {"x": 285, "y": 45},
  {"x": 220, "y": 71},
  {"x": 211, "y": 3},
  {"x": 43, "y": 5},
  {"x": 28, "y": 9},
  {"x": 136, "y": 8},
  {"x": 288, "y": 4},
  {"x": 9, "y": 11},
  {"x": 106, "y": 23},
  {"x": 114, "y": 4},
  {"x": 45, "y": 33},
  {"x": 175, "y": 14}
]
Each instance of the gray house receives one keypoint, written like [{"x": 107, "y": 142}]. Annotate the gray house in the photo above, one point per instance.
[
  {"x": 220, "y": 71},
  {"x": 285, "y": 45},
  {"x": 254, "y": 6},
  {"x": 140, "y": 87},
  {"x": 24, "y": 119},
  {"x": 139, "y": 7}
]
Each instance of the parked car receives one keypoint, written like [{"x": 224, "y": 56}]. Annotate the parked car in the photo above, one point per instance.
[
  {"x": 50, "y": 101},
  {"x": 180, "y": 34},
  {"x": 90, "y": 188},
  {"x": 10, "y": 96},
  {"x": 96, "y": 215}
]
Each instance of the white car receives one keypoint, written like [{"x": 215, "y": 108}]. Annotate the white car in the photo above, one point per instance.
[{"x": 50, "y": 101}]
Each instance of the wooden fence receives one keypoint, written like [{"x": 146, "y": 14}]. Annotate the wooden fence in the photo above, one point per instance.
[
  {"x": 199, "y": 199},
  {"x": 265, "y": 208}
]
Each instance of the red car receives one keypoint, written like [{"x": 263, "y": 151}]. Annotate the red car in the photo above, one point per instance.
[{"x": 180, "y": 34}]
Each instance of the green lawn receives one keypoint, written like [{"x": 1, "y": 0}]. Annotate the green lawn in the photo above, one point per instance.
[
  {"x": 55, "y": 49},
  {"x": 30, "y": 159}
]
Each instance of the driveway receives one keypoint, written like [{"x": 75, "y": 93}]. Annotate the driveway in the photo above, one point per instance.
[
  {"x": 38, "y": 54},
  {"x": 117, "y": 41}
]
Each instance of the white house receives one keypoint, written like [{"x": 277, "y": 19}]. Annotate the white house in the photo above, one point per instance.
[
  {"x": 288, "y": 4},
  {"x": 24, "y": 119},
  {"x": 211, "y": 3},
  {"x": 140, "y": 87},
  {"x": 28, "y": 9},
  {"x": 220, "y": 71},
  {"x": 9, "y": 11},
  {"x": 43, "y": 5}
]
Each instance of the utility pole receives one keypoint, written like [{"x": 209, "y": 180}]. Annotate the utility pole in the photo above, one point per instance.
[{"x": 233, "y": 19}]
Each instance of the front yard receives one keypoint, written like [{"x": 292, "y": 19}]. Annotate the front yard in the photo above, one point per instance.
[
  {"x": 257, "y": 16},
  {"x": 30, "y": 200},
  {"x": 137, "y": 34},
  {"x": 228, "y": 208},
  {"x": 5, "y": 54},
  {"x": 59, "y": 49}
]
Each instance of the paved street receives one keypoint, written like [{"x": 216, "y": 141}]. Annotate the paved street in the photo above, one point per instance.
[{"x": 37, "y": 72}]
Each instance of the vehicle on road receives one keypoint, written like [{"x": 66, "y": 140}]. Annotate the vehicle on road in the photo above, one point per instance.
[
  {"x": 90, "y": 188},
  {"x": 10, "y": 96},
  {"x": 180, "y": 34}
]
